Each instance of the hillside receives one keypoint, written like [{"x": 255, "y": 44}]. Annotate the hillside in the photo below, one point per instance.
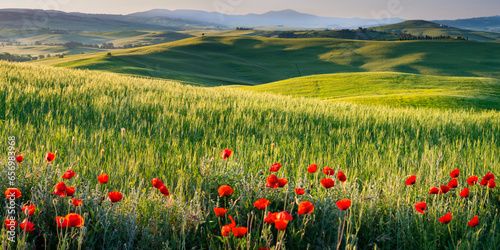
[
  {"x": 25, "y": 19},
  {"x": 393, "y": 89},
  {"x": 426, "y": 28},
  {"x": 213, "y": 61},
  {"x": 135, "y": 129},
  {"x": 118, "y": 38},
  {"x": 491, "y": 24}
]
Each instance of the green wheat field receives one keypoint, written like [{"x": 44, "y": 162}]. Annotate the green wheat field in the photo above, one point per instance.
[{"x": 135, "y": 129}]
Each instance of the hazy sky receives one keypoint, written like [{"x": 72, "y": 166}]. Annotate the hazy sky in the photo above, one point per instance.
[{"x": 408, "y": 9}]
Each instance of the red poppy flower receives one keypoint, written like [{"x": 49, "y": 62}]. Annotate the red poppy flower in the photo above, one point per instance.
[
  {"x": 446, "y": 218},
  {"x": 444, "y": 189},
  {"x": 27, "y": 226},
  {"x": 270, "y": 218},
  {"x": 421, "y": 207},
  {"x": 233, "y": 223},
  {"x": 434, "y": 190},
  {"x": 220, "y": 211},
  {"x": 275, "y": 167},
  {"x": 282, "y": 182},
  {"x": 115, "y": 196},
  {"x": 453, "y": 183},
  {"x": 264, "y": 248},
  {"x": 261, "y": 204},
  {"x": 328, "y": 171},
  {"x": 305, "y": 207},
  {"x": 156, "y": 183},
  {"x": 103, "y": 178},
  {"x": 281, "y": 224},
  {"x": 239, "y": 232},
  {"x": 327, "y": 183},
  {"x": 272, "y": 179},
  {"x": 410, "y": 181},
  {"x": 226, "y": 153},
  {"x": 274, "y": 186},
  {"x": 29, "y": 210},
  {"x": 10, "y": 224},
  {"x": 465, "y": 193},
  {"x": 225, "y": 230},
  {"x": 283, "y": 216},
  {"x": 489, "y": 176},
  {"x": 341, "y": 176},
  {"x": 50, "y": 156},
  {"x": 455, "y": 173},
  {"x": 164, "y": 190},
  {"x": 312, "y": 169},
  {"x": 474, "y": 221},
  {"x": 68, "y": 174},
  {"x": 70, "y": 191},
  {"x": 486, "y": 178},
  {"x": 472, "y": 180},
  {"x": 344, "y": 204},
  {"x": 19, "y": 158},
  {"x": 59, "y": 193},
  {"x": 61, "y": 187},
  {"x": 225, "y": 190},
  {"x": 62, "y": 222},
  {"x": 74, "y": 220},
  {"x": 77, "y": 202},
  {"x": 491, "y": 183},
  {"x": 12, "y": 192},
  {"x": 300, "y": 191}
]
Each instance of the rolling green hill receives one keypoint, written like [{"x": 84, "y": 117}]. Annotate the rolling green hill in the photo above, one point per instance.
[
  {"x": 393, "y": 89},
  {"x": 118, "y": 38},
  {"x": 213, "y": 61},
  {"x": 35, "y": 51},
  {"x": 426, "y": 28}
]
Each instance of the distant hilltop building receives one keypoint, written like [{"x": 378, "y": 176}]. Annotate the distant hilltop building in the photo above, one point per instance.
[{"x": 443, "y": 26}]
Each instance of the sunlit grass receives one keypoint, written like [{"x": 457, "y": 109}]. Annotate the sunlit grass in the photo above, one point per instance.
[{"x": 176, "y": 133}]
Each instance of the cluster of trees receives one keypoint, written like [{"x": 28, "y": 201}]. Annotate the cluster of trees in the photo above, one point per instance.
[
  {"x": 243, "y": 28},
  {"x": 10, "y": 42},
  {"x": 404, "y": 37},
  {"x": 24, "y": 58},
  {"x": 127, "y": 46},
  {"x": 107, "y": 46},
  {"x": 72, "y": 45},
  {"x": 16, "y": 58},
  {"x": 358, "y": 34}
]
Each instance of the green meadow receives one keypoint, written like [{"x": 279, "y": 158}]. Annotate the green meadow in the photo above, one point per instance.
[
  {"x": 393, "y": 89},
  {"x": 219, "y": 60},
  {"x": 135, "y": 129}
]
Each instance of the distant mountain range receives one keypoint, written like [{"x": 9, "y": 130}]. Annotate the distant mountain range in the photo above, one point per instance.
[
  {"x": 288, "y": 18},
  {"x": 25, "y": 19},
  {"x": 179, "y": 20}
]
